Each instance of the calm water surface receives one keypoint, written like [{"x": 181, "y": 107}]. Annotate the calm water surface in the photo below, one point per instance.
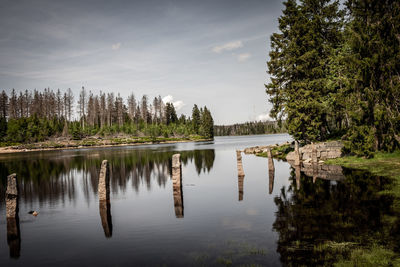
[{"x": 223, "y": 219}]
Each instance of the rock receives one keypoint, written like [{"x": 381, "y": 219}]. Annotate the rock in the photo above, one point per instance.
[{"x": 323, "y": 151}]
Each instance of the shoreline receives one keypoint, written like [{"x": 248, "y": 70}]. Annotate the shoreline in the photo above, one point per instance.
[{"x": 69, "y": 146}]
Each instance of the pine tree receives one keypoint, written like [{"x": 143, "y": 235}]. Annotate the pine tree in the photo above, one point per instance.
[{"x": 196, "y": 119}]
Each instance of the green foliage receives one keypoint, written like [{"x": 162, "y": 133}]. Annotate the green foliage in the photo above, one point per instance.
[
  {"x": 196, "y": 119},
  {"x": 332, "y": 76}
]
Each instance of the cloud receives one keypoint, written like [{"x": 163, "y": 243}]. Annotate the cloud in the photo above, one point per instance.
[
  {"x": 116, "y": 46},
  {"x": 170, "y": 99},
  {"x": 243, "y": 57},
  {"x": 227, "y": 47},
  {"x": 263, "y": 117}
]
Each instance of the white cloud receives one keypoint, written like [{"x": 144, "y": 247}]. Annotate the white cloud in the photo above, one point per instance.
[
  {"x": 170, "y": 99},
  {"x": 243, "y": 57},
  {"x": 263, "y": 117},
  {"x": 116, "y": 46},
  {"x": 227, "y": 47}
]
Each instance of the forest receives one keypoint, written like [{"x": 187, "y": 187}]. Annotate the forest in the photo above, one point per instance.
[
  {"x": 249, "y": 128},
  {"x": 36, "y": 116},
  {"x": 335, "y": 73}
]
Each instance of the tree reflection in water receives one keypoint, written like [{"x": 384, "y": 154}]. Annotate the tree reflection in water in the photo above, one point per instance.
[
  {"x": 314, "y": 214},
  {"x": 45, "y": 178}
]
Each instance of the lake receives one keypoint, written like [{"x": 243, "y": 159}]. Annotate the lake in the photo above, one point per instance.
[{"x": 217, "y": 219}]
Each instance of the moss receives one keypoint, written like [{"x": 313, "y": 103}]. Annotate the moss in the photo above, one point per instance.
[{"x": 278, "y": 152}]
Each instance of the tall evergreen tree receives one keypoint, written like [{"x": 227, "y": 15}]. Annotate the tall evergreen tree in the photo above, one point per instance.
[
  {"x": 374, "y": 75},
  {"x": 196, "y": 119},
  {"x": 310, "y": 33}
]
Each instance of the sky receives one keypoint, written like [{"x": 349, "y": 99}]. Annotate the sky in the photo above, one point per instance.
[{"x": 206, "y": 52}]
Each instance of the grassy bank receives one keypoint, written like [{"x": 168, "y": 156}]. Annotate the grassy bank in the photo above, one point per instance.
[
  {"x": 61, "y": 143},
  {"x": 278, "y": 152},
  {"x": 382, "y": 164}
]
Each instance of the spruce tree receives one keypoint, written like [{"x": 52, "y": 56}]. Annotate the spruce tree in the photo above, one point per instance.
[
  {"x": 196, "y": 119},
  {"x": 310, "y": 33},
  {"x": 373, "y": 72}
]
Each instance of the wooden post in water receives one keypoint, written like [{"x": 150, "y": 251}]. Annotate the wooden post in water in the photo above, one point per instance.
[
  {"x": 240, "y": 173},
  {"x": 297, "y": 156},
  {"x": 177, "y": 185},
  {"x": 271, "y": 170},
  {"x": 314, "y": 157},
  {"x": 104, "y": 181},
  {"x": 104, "y": 199},
  {"x": 12, "y": 196},
  {"x": 13, "y": 231},
  {"x": 239, "y": 163}
]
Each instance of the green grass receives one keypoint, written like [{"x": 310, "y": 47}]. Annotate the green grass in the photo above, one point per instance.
[
  {"x": 374, "y": 256},
  {"x": 278, "y": 152},
  {"x": 382, "y": 164}
]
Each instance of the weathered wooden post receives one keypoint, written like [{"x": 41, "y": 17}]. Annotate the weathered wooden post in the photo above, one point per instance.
[
  {"x": 297, "y": 156},
  {"x": 314, "y": 157},
  {"x": 298, "y": 175},
  {"x": 240, "y": 173},
  {"x": 104, "y": 181},
  {"x": 239, "y": 163},
  {"x": 104, "y": 199},
  {"x": 177, "y": 185},
  {"x": 271, "y": 165},
  {"x": 12, "y": 196},
  {"x": 13, "y": 231}
]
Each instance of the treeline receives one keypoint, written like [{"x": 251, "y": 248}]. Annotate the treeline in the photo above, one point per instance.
[
  {"x": 249, "y": 128},
  {"x": 336, "y": 72},
  {"x": 36, "y": 116}
]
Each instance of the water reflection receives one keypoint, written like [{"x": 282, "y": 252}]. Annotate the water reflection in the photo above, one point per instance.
[
  {"x": 105, "y": 215},
  {"x": 47, "y": 178},
  {"x": 14, "y": 237},
  {"x": 348, "y": 210}
]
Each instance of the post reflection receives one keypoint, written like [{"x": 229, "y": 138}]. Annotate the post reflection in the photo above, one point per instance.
[
  {"x": 105, "y": 215},
  {"x": 240, "y": 186},
  {"x": 271, "y": 170},
  {"x": 12, "y": 210},
  {"x": 104, "y": 198}
]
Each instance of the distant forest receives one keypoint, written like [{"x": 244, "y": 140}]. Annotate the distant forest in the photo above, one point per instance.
[
  {"x": 335, "y": 73},
  {"x": 35, "y": 116},
  {"x": 249, "y": 128}
]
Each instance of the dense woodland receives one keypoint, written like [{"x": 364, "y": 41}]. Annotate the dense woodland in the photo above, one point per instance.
[
  {"x": 335, "y": 72},
  {"x": 36, "y": 116},
  {"x": 249, "y": 128}
]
